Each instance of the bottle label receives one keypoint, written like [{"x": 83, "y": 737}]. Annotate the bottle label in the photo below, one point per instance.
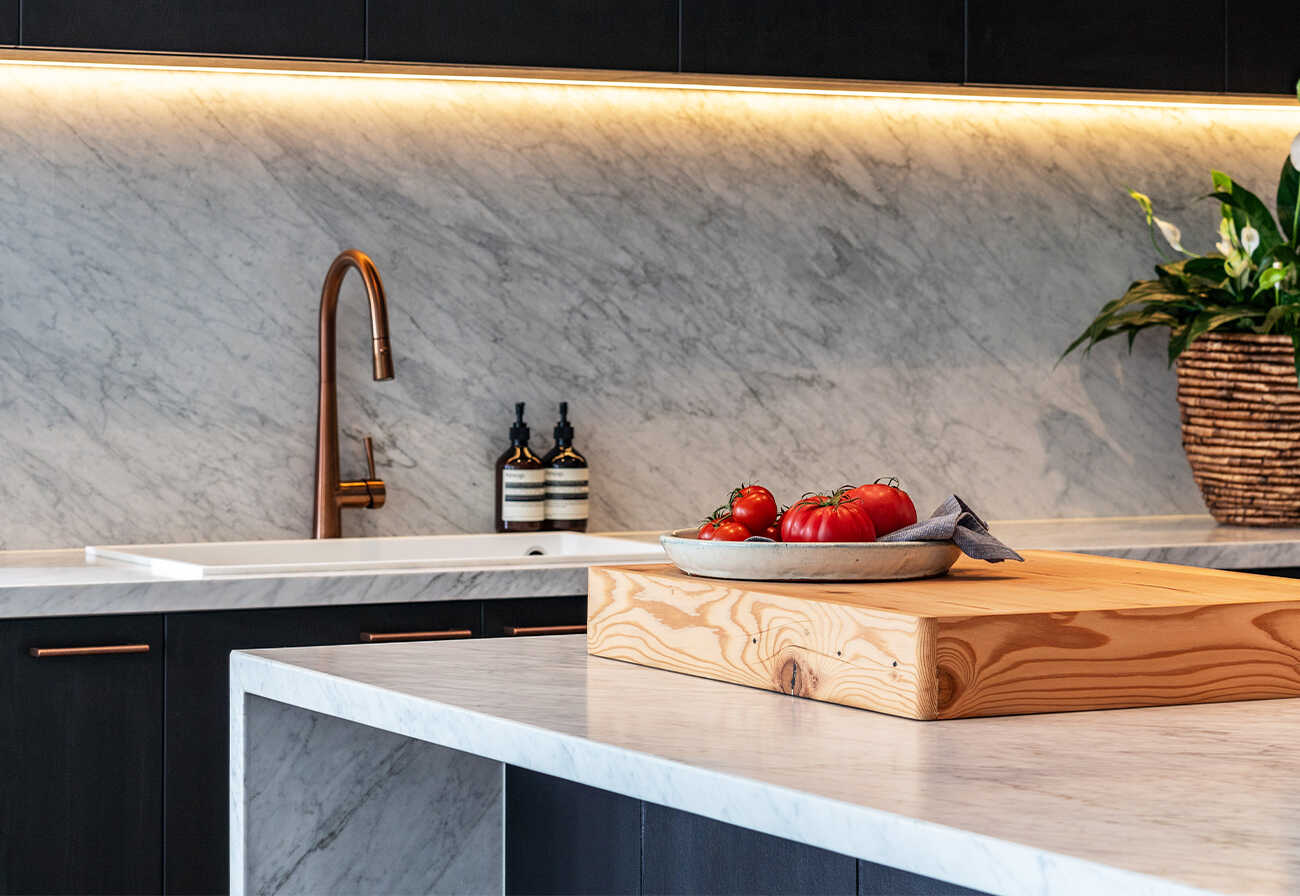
[
  {"x": 566, "y": 493},
  {"x": 523, "y": 495}
]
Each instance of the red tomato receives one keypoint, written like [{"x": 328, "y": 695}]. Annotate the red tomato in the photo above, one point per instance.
[
  {"x": 730, "y": 530},
  {"x": 889, "y": 507},
  {"x": 773, "y": 531},
  {"x": 834, "y": 517},
  {"x": 753, "y": 507},
  {"x": 721, "y": 527}
]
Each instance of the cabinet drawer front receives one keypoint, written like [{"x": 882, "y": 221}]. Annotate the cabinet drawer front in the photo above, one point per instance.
[{"x": 535, "y": 616}]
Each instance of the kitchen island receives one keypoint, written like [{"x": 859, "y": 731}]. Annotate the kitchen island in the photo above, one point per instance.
[{"x": 390, "y": 768}]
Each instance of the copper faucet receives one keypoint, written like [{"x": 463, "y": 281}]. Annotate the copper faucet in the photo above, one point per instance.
[{"x": 331, "y": 494}]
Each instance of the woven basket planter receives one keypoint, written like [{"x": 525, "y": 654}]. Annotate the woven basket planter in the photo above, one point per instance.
[{"x": 1241, "y": 427}]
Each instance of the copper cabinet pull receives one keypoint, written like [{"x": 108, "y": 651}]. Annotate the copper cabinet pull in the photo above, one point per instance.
[
  {"x": 88, "y": 651},
  {"x": 443, "y": 635},
  {"x": 515, "y": 630}
]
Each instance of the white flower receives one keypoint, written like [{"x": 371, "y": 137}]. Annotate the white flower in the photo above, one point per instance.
[
  {"x": 1227, "y": 237},
  {"x": 1172, "y": 234},
  {"x": 1295, "y": 151},
  {"x": 1249, "y": 239},
  {"x": 1237, "y": 264}
]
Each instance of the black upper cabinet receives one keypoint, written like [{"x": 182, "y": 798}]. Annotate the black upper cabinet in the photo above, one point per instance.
[
  {"x": 332, "y": 28},
  {"x": 81, "y": 792},
  {"x": 918, "y": 41},
  {"x": 1153, "y": 45},
  {"x": 628, "y": 34},
  {"x": 1263, "y": 46}
]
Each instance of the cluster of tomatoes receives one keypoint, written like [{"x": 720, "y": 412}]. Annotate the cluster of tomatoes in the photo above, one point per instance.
[{"x": 850, "y": 513}]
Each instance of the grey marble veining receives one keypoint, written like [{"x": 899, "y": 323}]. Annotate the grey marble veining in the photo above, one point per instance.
[
  {"x": 1171, "y": 800},
  {"x": 334, "y": 807},
  {"x": 807, "y": 290}
]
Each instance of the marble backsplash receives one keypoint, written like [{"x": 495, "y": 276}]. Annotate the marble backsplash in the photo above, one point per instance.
[{"x": 801, "y": 290}]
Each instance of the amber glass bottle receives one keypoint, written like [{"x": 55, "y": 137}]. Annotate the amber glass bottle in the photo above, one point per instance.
[
  {"x": 520, "y": 483},
  {"x": 567, "y": 485}
]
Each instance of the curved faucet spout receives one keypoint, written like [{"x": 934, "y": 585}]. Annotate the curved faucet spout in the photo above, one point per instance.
[{"x": 332, "y": 495}]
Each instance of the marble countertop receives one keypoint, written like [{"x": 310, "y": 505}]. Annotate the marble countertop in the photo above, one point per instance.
[
  {"x": 1167, "y": 800},
  {"x": 64, "y": 582}
]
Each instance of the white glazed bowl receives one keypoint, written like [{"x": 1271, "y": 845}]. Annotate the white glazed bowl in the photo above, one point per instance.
[{"x": 838, "y": 561}]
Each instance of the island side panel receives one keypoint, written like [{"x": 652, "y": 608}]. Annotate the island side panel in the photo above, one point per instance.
[
  {"x": 333, "y": 806},
  {"x": 824, "y": 650},
  {"x": 1113, "y": 659}
]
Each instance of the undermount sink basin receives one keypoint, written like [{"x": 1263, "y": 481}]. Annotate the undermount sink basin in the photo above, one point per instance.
[{"x": 197, "y": 561}]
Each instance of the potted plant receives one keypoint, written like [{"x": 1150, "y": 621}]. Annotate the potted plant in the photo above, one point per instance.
[{"x": 1234, "y": 336}]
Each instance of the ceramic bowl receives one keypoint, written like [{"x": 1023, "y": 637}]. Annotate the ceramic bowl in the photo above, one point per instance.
[{"x": 768, "y": 561}]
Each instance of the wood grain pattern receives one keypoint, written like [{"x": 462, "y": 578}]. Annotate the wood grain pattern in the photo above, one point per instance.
[{"x": 1060, "y": 632}]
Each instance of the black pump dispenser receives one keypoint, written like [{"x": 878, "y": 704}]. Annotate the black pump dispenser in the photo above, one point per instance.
[
  {"x": 520, "y": 482},
  {"x": 564, "y": 429},
  {"x": 567, "y": 480},
  {"x": 519, "y": 431}
]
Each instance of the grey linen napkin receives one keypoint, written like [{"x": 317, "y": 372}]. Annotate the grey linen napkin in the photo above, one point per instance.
[{"x": 956, "y": 522}]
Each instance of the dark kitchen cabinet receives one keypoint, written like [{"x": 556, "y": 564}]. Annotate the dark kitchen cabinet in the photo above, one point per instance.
[
  {"x": 81, "y": 793},
  {"x": 9, "y": 21},
  {"x": 333, "y": 28},
  {"x": 920, "y": 41},
  {"x": 628, "y": 34},
  {"x": 1156, "y": 44},
  {"x": 1263, "y": 46},
  {"x": 197, "y": 708},
  {"x": 535, "y": 616},
  {"x": 684, "y": 853},
  {"x": 567, "y": 838}
]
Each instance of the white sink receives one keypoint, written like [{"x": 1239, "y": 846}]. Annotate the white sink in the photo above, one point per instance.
[{"x": 197, "y": 561}]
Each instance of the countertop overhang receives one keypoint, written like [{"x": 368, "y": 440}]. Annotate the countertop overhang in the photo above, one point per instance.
[{"x": 1168, "y": 800}]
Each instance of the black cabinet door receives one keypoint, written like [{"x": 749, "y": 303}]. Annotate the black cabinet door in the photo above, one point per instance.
[
  {"x": 920, "y": 41},
  {"x": 81, "y": 792},
  {"x": 684, "y": 853},
  {"x": 197, "y": 748},
  {"x": 629, "y": 34},
  {"x": 567, "y": 838},
  {"x": 535, "y": 616},
  {"x": 1155, "y": 45},
  {"x": 9, "y": 21},
  {"x": 334, "y": 28},
  {"x": 1263, "y": 46}
]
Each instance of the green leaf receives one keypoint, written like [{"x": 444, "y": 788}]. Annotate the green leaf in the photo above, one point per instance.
[
  {"x": 1271, "y": 277},
  {"x": 1288, "y": 211},
  {"x": 1204, "y": 322},
  {"x": 1239, "y": 199},
  {"x": 1208, "y": 267}
]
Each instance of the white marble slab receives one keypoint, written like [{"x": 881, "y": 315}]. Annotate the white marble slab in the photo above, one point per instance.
[
  {"x": 871, "y": 286},
  {"x": 65, "y": 583},
  {"x": 1169, "y": 800}
]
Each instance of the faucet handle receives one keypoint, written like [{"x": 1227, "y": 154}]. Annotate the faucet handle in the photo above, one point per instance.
[
  {"x": 369, "y": 492},
  {"x": 370, "y": 457}
]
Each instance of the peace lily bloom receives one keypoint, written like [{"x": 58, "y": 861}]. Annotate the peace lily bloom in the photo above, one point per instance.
[
  {"x": 1295, "y": 151},
  {"x": 1249, "y": 239},
  {"x": 1173, "y": 236},
  {"x": 1227, "y": 238}
]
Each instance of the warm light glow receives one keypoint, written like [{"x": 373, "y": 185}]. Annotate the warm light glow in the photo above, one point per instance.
[{"x": 641, "y": 80}]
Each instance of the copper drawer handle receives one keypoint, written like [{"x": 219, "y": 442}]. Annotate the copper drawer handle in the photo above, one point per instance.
[
  {"x": 443, "y": 635},
  {"x": 88, "y": 651},
  {"x": 515, "y": 630}
]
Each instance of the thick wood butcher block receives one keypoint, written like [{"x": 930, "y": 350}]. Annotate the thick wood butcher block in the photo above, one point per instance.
[{"x": 1058, "y": 632}]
